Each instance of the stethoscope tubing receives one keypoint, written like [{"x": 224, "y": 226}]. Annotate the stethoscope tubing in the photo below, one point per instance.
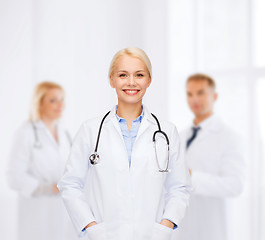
[
  {"x": 99, "y": 132},
  {"x": 94, "y": 158}
]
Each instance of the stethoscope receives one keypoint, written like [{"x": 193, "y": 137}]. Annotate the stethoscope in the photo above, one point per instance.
[
  {"x": 94, "y": 158},
  {"x": 37, "y": 143}
]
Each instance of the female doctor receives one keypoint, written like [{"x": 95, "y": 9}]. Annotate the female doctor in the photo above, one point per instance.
[
  {"x": 118, "y": 183},
  {"x": 37, "y": 162}
]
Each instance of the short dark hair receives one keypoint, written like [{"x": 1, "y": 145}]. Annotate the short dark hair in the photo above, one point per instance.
[{"x": 200, "y": 77}]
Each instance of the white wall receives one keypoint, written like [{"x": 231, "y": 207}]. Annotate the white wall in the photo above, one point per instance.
[
  {"x": 220, "y": 38},
  {"x": 72, "y": 43},
  {"x": 16, "y": 87}
]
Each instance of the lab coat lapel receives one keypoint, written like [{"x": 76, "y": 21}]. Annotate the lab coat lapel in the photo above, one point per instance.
[
  {"x": 210, "y": 125},
  {"x": 111, "y": 117},
  {"x": 113, "y": 120},
  {"x": 147, "y": 121},
  {"x": 144, "y": 125},
  {"x": 201, "y": 135},
  {"x": 41, "y": 127}
]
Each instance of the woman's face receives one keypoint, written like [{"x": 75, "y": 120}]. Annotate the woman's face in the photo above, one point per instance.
[
  {"x": 52, "y": 104},
  {"x": 130, "y": 78}
]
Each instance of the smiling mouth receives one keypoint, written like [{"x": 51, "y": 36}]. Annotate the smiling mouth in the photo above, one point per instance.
[{"x": 131, "y": 92}]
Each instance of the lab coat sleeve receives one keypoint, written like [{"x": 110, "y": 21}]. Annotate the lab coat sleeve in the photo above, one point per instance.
[
  {"x": 229, "y": 181},
  {"x": 72, "y": 183},
  {"x": 177, "y": 184},
  {"x": 18, "y": 176}
]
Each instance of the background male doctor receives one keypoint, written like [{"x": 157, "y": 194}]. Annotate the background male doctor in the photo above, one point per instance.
[{"x": 215, "y": 159}]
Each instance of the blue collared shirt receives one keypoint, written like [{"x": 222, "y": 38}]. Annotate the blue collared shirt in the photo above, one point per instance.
[{"x": 130, "y": 136}]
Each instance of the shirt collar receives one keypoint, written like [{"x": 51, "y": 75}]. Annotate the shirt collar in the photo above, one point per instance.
[
  {"x": 147, "y": 115},
  {"x": 41, "y": 124},
  {"x": 208, "y": 123},
  {"x": 138, "y": 119}
]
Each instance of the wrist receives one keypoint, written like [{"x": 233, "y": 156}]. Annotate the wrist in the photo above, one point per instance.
[
  {"x": 90, "y": 224},
  {"x": 167, "y": 223}
]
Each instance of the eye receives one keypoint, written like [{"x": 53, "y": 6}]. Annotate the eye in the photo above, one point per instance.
[
  {"x": 53, "y": 100},
  {"x": 200, "y": 93},
  {"x": 122, "y": 75},
  {"x": 139, "y": 75},
  {"x": 61, "y": 100}
]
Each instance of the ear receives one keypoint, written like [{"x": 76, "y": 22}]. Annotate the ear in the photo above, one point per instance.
[
  {"x": 111, "y": 81},
  {"x": 215, "y": 96},
  {"x": 149, "y": 81}
]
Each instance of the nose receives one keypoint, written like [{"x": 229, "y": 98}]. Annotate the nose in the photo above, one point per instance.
[
  {"x": 131, "y": 80},
  {"x": 60, "y": 104},
  {"x": 192, "y": 99}
]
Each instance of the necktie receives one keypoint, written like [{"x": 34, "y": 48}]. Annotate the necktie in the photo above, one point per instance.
[{"x": 194, "y": 134}]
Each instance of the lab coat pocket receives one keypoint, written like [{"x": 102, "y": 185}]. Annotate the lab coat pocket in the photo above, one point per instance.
[
  {"x": 96, "y": 232},
  {"x": 161, "y": 232}
]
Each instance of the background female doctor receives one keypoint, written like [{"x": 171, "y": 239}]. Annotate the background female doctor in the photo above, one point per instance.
[
  {"x": 36, "y": 164},
  {"x": 124, "y": 195}
]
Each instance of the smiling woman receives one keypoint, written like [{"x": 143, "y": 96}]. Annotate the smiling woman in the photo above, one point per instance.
[
  {"x": 125, "y": 190},
  {"x": 130, "y": 78}
]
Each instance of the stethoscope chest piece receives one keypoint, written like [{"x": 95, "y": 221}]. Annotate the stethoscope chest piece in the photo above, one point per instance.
[{"x": 94, "y": 158}]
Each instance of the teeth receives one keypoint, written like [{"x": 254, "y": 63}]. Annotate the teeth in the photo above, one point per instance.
[{"x": 131, "y": 90}]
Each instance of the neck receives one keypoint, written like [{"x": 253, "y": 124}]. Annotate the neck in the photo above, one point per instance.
[
  {"x": 129, "y": 111},
  {"x": 49, "y": 123},
  {"x": 201, "y": 118}
]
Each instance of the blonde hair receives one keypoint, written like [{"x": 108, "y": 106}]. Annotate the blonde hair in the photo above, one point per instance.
[
  {"x": 38, "y": 95},
  {"x": 133, "y": 52},
  {"x": 200, "y": 77}
]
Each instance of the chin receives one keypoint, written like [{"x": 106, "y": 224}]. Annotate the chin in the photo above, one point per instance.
[
  {"x": 56, "y": 117},
  {"x": 196, "y": 112},
  {"x": 131, "y": 101}
]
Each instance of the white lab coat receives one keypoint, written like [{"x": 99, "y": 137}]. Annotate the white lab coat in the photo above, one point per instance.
[
  {"x": 127, "y": 203},
  {"x": 32, "y": 173},
  {"x": 218, "y": 170}
]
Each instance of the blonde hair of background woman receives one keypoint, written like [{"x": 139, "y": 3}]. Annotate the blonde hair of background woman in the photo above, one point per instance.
[
  {"x": 133, "y": 52},
  {"x": 38, "y": 95}
]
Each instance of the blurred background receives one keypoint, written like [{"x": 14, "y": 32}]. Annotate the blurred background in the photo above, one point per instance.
[{"x": 72, "y": 43}]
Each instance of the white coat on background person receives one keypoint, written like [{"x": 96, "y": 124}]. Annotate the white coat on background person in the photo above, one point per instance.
[
  {"x": 37, "y": 161},
  {"x": 115, "y": 200},
  {"x": 216, "y": 161}
]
